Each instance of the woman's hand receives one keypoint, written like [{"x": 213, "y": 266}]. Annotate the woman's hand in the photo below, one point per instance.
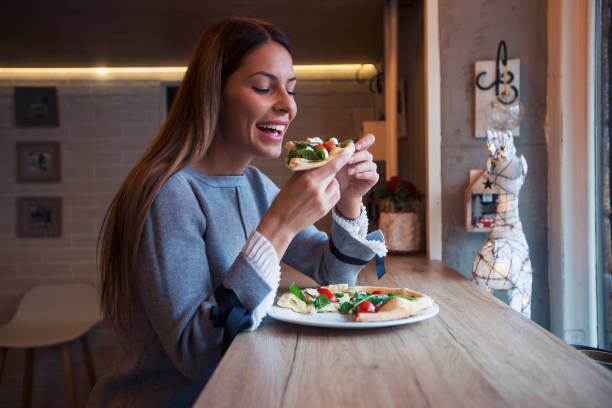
[
  {"x": 356, "y": 178},
  {"x": 307, "y": 196}
]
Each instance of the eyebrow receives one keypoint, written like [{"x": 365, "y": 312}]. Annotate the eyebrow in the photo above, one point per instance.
[{"x": 271, "y": 76}]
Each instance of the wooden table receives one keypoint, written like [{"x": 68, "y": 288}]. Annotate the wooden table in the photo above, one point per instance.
[{"x": 476, "y": 352}]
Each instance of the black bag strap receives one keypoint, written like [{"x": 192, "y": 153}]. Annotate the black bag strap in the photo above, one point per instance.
[
  {"x": 380, "y": 261},
  {"x": 230, "y": 314}
]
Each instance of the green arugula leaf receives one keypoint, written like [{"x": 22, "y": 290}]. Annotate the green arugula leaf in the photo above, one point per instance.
[
  {"x": 321, "y": 301},
  {"x": 407, "y": 297},
  {"x": 309, "y": 155},
  {"x": 320, "y": 153},
  {"x": 295, "y": 152},
  {"x": 345, "y": 307},
  {"x": 338, "y": 294},
  {"x": 360, "y": 296},
  {"x": 375, "y": 299},
  {"x": 297, "y": 292}
]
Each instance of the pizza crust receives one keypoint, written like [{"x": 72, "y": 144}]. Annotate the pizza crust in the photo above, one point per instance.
[
  {"x": 340, "y": 287},
  {"x": 297, "y": 164},
  {"x": 397, "y": 308},
  {"x": 395, "y": 291},
  {"x": 290, "y": 301}
]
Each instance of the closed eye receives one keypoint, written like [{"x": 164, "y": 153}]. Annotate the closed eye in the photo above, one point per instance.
[{"x": 267, "y": 90}]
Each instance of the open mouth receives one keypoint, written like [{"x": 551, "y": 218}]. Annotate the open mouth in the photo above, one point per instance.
[{"x": 273, "y": 131}]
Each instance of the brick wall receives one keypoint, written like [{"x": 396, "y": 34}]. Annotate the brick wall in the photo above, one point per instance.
[{"x": 105, "y": 126}]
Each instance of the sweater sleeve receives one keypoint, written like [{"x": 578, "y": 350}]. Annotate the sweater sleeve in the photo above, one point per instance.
[
  {"x": 173, "y": 279},
  {"x": 358, "y": 228},
  {"x": 260, "y": 252},
  {"x": 310, "y": 251}
]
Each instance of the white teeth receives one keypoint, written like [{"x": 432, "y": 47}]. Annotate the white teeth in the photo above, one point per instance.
[{"x": 279, "y": 128}]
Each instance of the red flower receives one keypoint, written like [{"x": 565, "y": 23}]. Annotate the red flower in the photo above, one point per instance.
[
  {"x": 400, "y": 192},
  {"x": 410, "y": 188},
  {"x": 393, "y": 184}
]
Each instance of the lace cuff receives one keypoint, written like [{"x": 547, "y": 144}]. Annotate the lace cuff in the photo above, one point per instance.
[
  {"x": 262, "y": 255},
  {"x": 358, "y": 228}
]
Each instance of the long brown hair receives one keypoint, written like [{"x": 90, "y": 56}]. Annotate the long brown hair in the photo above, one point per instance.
[{"x": 183, "y": 139}]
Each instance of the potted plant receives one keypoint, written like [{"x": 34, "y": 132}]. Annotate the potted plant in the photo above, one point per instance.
[{"x": 399, "y": 204}]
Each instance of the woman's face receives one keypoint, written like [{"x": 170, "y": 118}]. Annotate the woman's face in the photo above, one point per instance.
[{"x": 257, "y": 101}]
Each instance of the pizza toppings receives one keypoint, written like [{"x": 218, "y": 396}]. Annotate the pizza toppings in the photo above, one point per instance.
[
  {"x": 331, "y": 296},
  {"x": 314, "y": 152},
  {"x": 319, "y": 300},
  {"x": 366, "y": 307},
  {"x": 362, "y": 303}
]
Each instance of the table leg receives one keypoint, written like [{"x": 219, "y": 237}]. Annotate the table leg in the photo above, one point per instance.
[
  {"x": 27, "y": 378},
  {"x": 91, "y": 372},
  {"x": 2, "y": 357},
  {"x": 68, "y": 377}
]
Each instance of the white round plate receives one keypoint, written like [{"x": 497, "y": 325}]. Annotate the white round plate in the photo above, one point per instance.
[{"x": 340, "y": 321}]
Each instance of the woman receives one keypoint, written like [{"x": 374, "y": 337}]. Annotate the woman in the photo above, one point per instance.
[{"x": 191, "y": 245}]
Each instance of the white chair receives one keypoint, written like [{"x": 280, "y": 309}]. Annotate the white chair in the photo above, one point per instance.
[{"x": 52, "y": 315}]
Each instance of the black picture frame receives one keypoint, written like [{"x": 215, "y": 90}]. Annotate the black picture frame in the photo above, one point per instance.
[
  {"x": 39, "y": 217},
  {"x": 39, "y": 162},
  {"x": 169, "y": 92},
  {"x": 36, "y": 106}
]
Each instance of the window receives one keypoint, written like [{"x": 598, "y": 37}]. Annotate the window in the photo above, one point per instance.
[{"x": 603, "y": 110}]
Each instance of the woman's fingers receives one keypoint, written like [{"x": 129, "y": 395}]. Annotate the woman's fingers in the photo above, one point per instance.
[
  {"x": 360, "y": 156},
  {"x": 332, "y": 194},
  {"x": 365, "y": 142},
  {"x": 361, "y": 167},
  {"x": 331, "y": 168},
  {"x": 368, "y": 175}
]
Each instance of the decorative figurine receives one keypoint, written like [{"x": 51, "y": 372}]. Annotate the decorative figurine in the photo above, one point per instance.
[{"x": 503, "y": 261}]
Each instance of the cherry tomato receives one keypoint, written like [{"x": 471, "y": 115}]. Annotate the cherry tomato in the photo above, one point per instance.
[
  {"x": 366, "y": 307},
  {"x": 307, "y": 296},
  {"x": 377, "y": 292},
  {"x": 327, "y": 292},
  {"x": 329, "y": 145},
  {"x": 320, "y": 147}
]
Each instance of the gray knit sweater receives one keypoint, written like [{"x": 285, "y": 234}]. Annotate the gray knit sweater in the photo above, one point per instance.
[{"x": 192, "y": 243}]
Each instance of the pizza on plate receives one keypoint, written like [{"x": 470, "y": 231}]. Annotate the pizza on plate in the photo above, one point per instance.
[
  {"x": 360, "y": 303},
  {"x": 314, "y": 152}
]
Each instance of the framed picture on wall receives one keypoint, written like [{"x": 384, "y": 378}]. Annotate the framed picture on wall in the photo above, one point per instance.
[
  {"x": 36, "y": 106},
  {"x": 39, "y": 217},
  {"x": 169, "y": 91},
  {"x": 38, "y": 162}
]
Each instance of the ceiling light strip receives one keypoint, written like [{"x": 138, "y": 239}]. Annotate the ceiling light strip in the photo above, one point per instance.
[{"x": 306, "y": 71}]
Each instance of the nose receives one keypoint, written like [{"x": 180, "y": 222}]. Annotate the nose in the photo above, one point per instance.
[{"x": 286, "y": 104}]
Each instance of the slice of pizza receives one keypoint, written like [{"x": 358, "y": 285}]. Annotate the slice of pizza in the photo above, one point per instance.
[
  {"x": 324, "y": 299},
  {"x": 314, "y": 152},
  {"x": 362, "y": 303}
]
